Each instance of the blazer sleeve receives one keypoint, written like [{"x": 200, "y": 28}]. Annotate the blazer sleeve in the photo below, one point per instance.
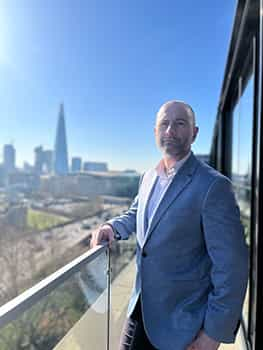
[
  {"x": 226, "y": 246},
  {"x": 125, "y": 224}
]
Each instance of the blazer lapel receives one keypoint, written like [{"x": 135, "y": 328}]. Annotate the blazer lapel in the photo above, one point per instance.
[{"x": 179, "y": 183}]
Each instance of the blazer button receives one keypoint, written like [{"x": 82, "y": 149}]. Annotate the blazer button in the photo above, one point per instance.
[{"x": 144, "y": 254}]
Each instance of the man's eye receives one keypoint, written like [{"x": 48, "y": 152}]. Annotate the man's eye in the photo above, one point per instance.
[{"x": 181, "y": 123}]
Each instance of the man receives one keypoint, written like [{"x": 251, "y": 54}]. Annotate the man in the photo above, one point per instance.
[{"x": 192, "y": 259}]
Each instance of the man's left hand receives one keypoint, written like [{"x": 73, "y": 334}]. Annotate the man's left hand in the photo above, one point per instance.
[{"x": 203, "y": 342}]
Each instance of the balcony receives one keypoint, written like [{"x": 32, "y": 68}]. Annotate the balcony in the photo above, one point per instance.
[{"x": 80, "y": 306}]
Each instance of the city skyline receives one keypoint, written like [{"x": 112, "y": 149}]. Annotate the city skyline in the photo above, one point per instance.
[
  {"x": 56, "y": 160},
  {"x": 61, "y": 132},
  {"x": 59, "y": 166},
  {"x": 112, "y": 64}
]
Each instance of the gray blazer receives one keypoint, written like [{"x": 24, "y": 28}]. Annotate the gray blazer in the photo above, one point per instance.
[{"x": 192, "y": 270}]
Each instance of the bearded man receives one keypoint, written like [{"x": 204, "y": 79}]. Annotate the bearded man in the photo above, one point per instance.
[{"x": 192, "y": 259}]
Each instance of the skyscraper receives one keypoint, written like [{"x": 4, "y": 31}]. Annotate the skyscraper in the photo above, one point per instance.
[
  {"x": 9, "y": 158},
  {"x": 43, "y": 160},
  {"x": 38, "y": 159},
  {"x": 61, "y": 150}
]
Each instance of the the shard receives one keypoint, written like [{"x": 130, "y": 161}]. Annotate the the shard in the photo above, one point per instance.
[{"x": 61, "y": 149}]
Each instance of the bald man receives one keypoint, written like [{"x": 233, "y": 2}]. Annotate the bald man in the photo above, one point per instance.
[{"x": 192, "y": 259}]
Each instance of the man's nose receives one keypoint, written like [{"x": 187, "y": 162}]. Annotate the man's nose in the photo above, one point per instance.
[{"x": 169, "y": 130}]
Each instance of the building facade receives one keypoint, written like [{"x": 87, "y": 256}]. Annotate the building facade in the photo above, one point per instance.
[
  {"x": 9, "y": 162},
  {"x": 61, "y": 148}
]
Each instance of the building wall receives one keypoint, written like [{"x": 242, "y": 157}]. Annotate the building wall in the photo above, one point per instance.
[
  {"x": 89, "y": 185},
  {"x": 95, "y": 166}
]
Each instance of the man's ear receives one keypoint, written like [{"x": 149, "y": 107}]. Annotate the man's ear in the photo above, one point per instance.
[{"x": 196, "y": 130}]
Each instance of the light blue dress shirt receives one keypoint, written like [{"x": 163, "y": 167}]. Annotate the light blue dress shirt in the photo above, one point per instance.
[{"x": 164, "y": 179}]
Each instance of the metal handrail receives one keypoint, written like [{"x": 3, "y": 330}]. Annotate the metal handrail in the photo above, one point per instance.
[{"x": 15, "y": 307}]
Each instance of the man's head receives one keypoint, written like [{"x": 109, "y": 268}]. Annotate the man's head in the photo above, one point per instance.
[{"x": 175, "y": 128}]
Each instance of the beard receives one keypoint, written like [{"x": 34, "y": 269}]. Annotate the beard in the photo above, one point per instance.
[{"x": 172, "y": 147}]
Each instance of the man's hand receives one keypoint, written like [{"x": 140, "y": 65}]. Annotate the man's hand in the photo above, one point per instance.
[
  {"x": 103, "y": 233},
  {"x": 203, "y": 342}
]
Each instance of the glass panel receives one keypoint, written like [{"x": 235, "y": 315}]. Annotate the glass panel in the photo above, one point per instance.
[
  {"x": 121, "y": 255},
  {"x": 123, "y": 274},
  {"x": 242, "y": 162},
  {"x": 43, "y": 230},
  {"x": 73, "y": 315}
]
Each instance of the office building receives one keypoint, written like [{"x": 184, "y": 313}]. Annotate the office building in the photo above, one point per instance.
[
  {"x": 9, "y": 158},
  {"x": 61, "y": 150},
  {"x": 95, "y": 166},
  {"x": 76, "y": 164}
]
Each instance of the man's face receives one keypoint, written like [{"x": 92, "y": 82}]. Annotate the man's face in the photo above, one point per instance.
[{"x": 175, "y": 129}]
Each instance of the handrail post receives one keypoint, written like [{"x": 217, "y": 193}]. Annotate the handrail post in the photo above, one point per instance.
[{"x": 108, "y": 298}]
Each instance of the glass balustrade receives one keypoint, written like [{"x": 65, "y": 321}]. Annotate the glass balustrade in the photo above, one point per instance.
[{"x": 67, "y": 310}]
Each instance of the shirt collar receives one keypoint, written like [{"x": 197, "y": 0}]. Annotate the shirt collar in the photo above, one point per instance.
[{"x": 160, "y": 168}]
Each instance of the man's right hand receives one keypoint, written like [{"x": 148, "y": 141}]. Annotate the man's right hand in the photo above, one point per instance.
[{"x": 102, "y": 234}]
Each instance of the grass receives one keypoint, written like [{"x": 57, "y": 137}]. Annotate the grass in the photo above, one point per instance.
[{"x": 41, "y": 221}]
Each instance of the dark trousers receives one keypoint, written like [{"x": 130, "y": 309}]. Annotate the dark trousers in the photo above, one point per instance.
[{"x": 133, "y": 334}]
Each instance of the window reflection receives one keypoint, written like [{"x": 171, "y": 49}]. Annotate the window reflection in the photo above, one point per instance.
[{"x": 242, "y": 161}]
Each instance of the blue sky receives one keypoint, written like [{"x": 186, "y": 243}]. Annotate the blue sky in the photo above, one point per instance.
[{"x": 112, "y": 63}]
